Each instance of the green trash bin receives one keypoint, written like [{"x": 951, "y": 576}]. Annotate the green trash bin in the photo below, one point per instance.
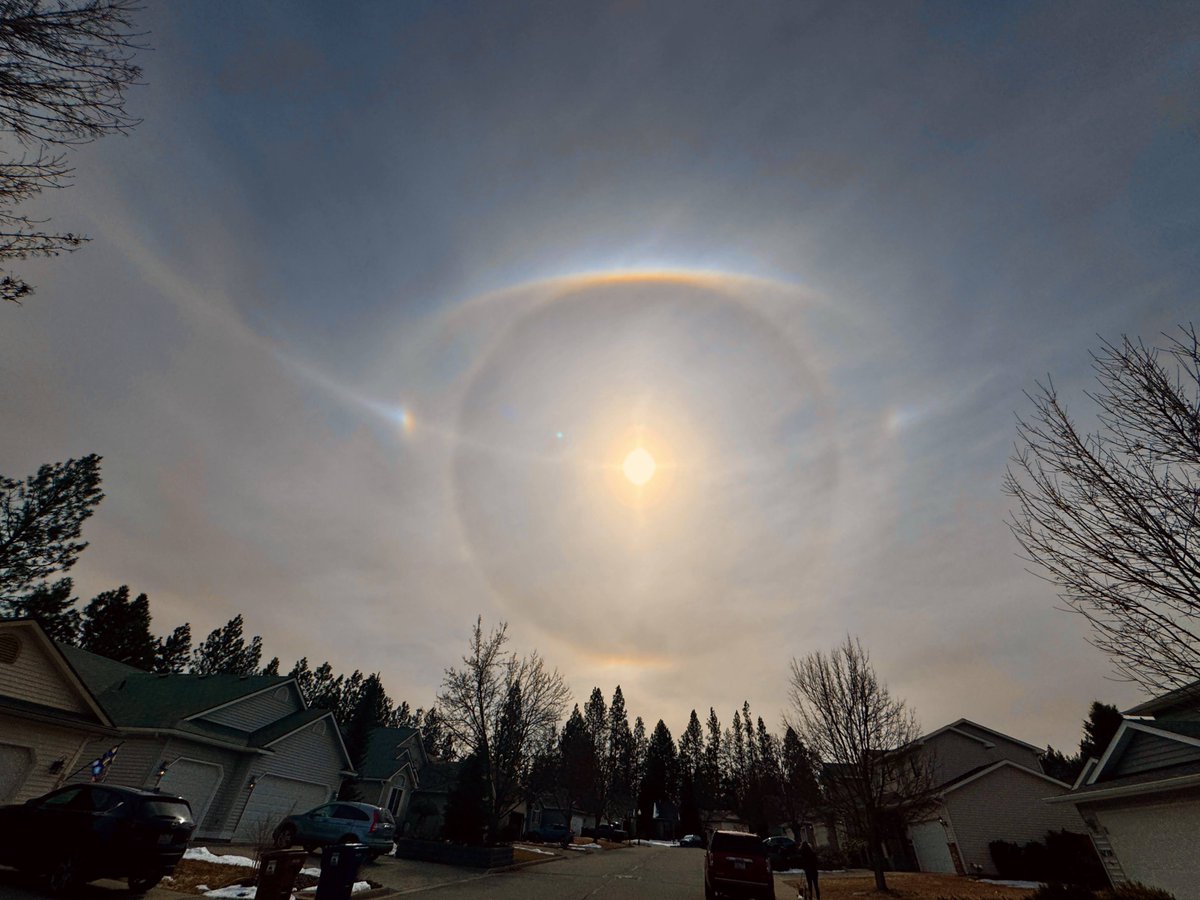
[
  {"x": 339, "y": 870},
  {"x": 277, "y": 871}
]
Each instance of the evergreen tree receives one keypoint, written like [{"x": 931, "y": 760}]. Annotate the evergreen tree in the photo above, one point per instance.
[
  {"x": 710, "y": 769},
  {"x": 1058, "y": 765},
  {"x": 119, "y": 628},
  {"x": 622, "y": 790},
  {"x": 660, "y": 779},
  {"x": 435, "y": 736},
  {"x": 800, "y": 791},
  {"x": 326, "y": 689},
  {"x": 372, "y": 709},
  {"x": 691, "y": 761},
  {"x": 466, "y": 807},
  {"x": 1100, "y": 728},
  {"x": 579, "y": 764},
  {"x": 171, "y": 656},
  {"x": 41, "y": 519},
  {"x": 737, "y": 761},
  {"x": 595, "y": 717},
  {"x": 304, "y": 679},
  {"x": 271, "y": 668},
  {"x": 53, "y": 607},
  {"x": 225, "y": 651}
]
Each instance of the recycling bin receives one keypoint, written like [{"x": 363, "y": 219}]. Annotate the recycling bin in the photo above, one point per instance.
[
  {"x": 339, "y": 870},
  {"x": 277, "y": 871}
]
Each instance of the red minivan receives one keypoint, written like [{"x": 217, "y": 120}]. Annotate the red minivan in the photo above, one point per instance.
[{"x": 736, "y": 865}]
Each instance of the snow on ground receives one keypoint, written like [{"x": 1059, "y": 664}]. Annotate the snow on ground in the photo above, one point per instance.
[
  {"x": 582, "y": 847},
  {"x": 359, "y": 887},
  {"x": 1028, "y": 885},
  {"x": 659, "y": 843},
  {"x": 529, "y": 849},
  {"x": 237, "y": 891},
  {"x": 312, "y": 870},
  {"x": 204, "y": 855}
]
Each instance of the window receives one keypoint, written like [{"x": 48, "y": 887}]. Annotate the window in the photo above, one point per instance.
[
  {"x": 106, "y": 801},
  {"x": 395, "y": 798},
  {"x": 63, "y": 798},
  {"x": 350, "y": 812}
]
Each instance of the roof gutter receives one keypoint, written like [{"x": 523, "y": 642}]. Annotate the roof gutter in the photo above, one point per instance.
[
  {"x": 1128, "y": 790},
  {"x": 199, "y": 739}
]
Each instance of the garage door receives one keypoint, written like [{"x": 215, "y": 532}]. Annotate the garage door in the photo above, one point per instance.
[
  {"x": 196, "y": 782},
  {"x": 274, "y": 798},
  {"x": 933, "y": 854},
  {"x": 1156, "y": 844},
  {"x": 15, "y": 763}
]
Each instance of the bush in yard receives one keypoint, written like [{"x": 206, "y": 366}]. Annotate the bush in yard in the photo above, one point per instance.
[{"x": 1065, "y": 858}]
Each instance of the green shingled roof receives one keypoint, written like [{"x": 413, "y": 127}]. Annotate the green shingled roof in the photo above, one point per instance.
[
  {"x": 137, "y": 699},
  {"x": 380, "y": 759}
]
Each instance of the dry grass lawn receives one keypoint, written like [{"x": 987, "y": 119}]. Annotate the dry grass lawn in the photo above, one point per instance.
[{"x": 908, "y": 886}]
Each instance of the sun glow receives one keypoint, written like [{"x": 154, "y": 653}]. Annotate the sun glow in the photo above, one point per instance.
[{"x": 639, "y": 466}]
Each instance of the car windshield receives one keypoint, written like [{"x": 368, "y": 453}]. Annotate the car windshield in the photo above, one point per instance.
[
  {"x": 745, "y": 844},
  {"x": 173, "y": 808}
]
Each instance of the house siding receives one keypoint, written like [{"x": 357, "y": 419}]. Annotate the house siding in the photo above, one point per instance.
[
  {"x": 954, "y": 754},
  {"x": 256, "y": 712},
  {"x": 1006, "y": 749},
  {"x": 1006, "y": 805},
  {"x": 308, "y": 755},
  {"x": 1147, "y": 752},
  {"x": 134, "y": 765},
  {"x": 47, "y": 743},
  {"x": 37, "y": 678},
  {"x": 233, "y": 765}
]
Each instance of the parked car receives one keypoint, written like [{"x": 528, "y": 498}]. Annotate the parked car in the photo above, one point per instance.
[
  {"x": 88, "y": 831},
  {"x": 611, "y": 833},
  {"x": 550, "y": 833},
  {"x": 692, "y": 840},
  {"x": 782, "y": 852},
  {"x": 339, "y": 823},
  {"x": 737, "y": 865}
]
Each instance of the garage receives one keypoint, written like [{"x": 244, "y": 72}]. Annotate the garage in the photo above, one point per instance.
[
  {"x": 1156, "y": 843},
  {"x": 196, "y": 782},
  {"x": 275, "y": 797},
  {"x": 15, "y": 763},
  {"x": 929, "y": 842}
]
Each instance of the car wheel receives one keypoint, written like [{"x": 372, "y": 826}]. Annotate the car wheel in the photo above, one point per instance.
[
  {"x": 139, "y": 884},
  {"x": 63, "y": 875},
  {"x": 285, "y": 836}
]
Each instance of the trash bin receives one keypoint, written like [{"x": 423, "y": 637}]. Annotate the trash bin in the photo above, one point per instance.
[
  {"x": 277, "y": 871},
  {"x": 339, "y": 870}
]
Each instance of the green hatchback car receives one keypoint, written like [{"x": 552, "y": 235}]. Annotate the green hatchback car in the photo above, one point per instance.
[{"x": 339, "y": 823}]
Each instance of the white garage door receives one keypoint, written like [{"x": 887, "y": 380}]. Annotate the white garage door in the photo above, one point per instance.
[
  {"x": 15, "y": 763},
  {"x": 933, "y": 854},
  {"x": 274, "y": 798},
  {"x": 196, "y": 782},
  {"x": 1156, "y": 844}
]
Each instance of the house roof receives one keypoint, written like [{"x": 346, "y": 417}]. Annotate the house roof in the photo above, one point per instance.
[
  {"x": 137, "y": 699},
  {"x": 1157, "y": 781},
  {"x": 985, "y": 770},
  {"x": 1188, "y": 695},
  {"x": 956, "y": 727},
  {"x": 281, "y": 728},
  {"x": 382, "y": 759},
  {"x": 439, "y": 777},
  {"x": 70, "y": 675}
]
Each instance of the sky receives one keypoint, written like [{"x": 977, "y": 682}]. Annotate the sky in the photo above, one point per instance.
[{"x": 380, "y": 297}]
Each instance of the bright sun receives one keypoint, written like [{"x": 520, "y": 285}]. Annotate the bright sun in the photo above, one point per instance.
[{"x": 639, "y": 466}]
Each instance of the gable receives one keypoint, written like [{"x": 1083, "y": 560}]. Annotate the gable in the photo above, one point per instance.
[
  {"x": 1004, "y": 747},
  {"x": 257, "y": 710},
  {"x": 32, "y": 671},
  {"x": 314, "y": 751},
  {"x": 1145, "y": 752}
]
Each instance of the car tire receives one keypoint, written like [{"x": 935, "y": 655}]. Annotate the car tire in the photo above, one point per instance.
[
  {"x": 63, "y": 875},
  {"x": 285, "y": 837},
  {"x": 139, "y": 884}
]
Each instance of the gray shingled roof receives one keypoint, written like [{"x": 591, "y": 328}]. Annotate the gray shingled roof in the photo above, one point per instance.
[{"x": 380, "y": 760}]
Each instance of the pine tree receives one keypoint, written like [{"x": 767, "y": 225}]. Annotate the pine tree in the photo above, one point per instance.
[
  {"x": 271, "y": 668},
  {"x": 578, "y": 763},
  {"x": 1100, "y": 728},
  {"x": 372, "y": 709},
  {"x": 325, "y": 690},
  {"x": 225, "y": 651},
  {"x": 53, "y": 607},
  {"x": 710, "y": 777},
  {"x": 171, "y": 656},
  {"x": 119, "y": 628},
  {"x": 595, "y": 717},
  {"x": 41, "y": 519},
  {"x": 737, "y": 773},
  {"x": 622, "y": 789},
  {"x": 660, "y": 779},
  {"x": 691, "y": 760}
]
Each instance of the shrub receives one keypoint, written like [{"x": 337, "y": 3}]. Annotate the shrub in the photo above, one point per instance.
[{"x": 1066, "y": 857}]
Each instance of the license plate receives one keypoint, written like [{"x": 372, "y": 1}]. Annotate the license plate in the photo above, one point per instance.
[
  {"x": 738, "y": 864},
  {"x": 164, "y": 839}
]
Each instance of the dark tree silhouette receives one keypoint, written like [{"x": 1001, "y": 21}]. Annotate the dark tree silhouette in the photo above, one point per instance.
[
  {"x": 66, "y": 65},
  {"x": 1112, "y": 517},
  {"x": 53, "y": 607},
  {"x": 119, "y": 628},
  {"x": 225, "y": 651},
  {"x": 41, "y": 519},
  {"x": 172, "y": 655}
]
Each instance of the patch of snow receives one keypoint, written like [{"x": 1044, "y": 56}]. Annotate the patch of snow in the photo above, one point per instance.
[
  {"x": 202, "y": 887},
  {"x": 360, "y": 886},
  {"x": 313, "y": 871},
  {"x": 539, "y": 850},
  {"x": 204, "y": 855},
  {"x": 583, "y": 847},
  {"x": 1028, "y": 885},
  {"x": 658, "y": 843},
  {"x": 236, "y": 892}
]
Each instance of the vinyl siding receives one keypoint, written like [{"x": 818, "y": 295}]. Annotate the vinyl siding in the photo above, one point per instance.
[
  {"x": 36, "y": 677},
  {"x": 306, "y": 756},
  {"x": 255, "y": 712},
  {"x": 1006, "y": 749},
  {"x": 954, "y": 754},
  {"x": 1006, "y": 805},
  {"x": 136, "y": 761},
  {"x": 47, "y": 743},
  {"x": 1155, "y": 841},
  {"x": 1147, "y": 752}
]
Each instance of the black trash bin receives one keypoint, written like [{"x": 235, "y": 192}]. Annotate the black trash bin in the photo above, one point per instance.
[
  {"x": 339, "y": 870},
  {"x": 277, "y": 871}
]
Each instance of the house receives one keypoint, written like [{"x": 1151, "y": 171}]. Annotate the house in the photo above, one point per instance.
[
  {"x": 48, "y": 717},
  {"x": 391, "y": 767},
  {"x": 245, "y": 751},
  {"x": 1141, "y": 800},
  {"x": 426, "y": 810},
  {"x": 988, "y": 786}
]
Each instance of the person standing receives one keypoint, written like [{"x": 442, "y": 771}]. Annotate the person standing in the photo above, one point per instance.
[{"x": 808, "y": 862}]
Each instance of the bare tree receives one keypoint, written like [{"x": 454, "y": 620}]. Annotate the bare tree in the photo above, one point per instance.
[
  {"x": 1113, "y": 517},
  {"x": 64, "y": 67},
  {"x": 875, "y": 778},
  {"x": 502, "y": 707}
]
